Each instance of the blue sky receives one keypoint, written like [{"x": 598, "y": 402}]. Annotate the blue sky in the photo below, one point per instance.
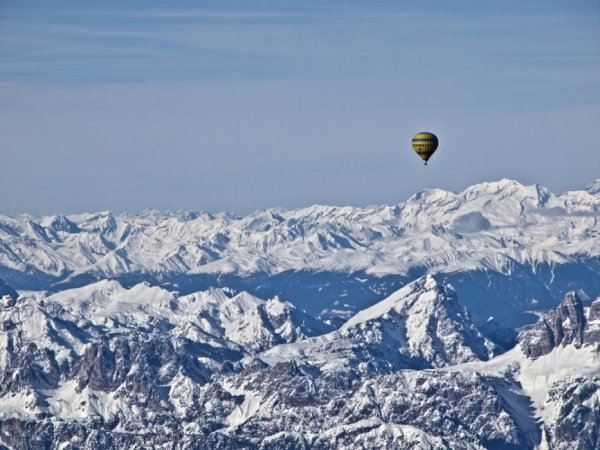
[{"x": 244, "y": 105}]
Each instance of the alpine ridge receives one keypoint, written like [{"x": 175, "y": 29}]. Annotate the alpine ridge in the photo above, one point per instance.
[
  {"x": 479, "y": 227},
  {"x": 463, "y": 320},
  {"x": 420, "y": 326},
  {"x": 531, "y": 245},
  {"x": 109, "y": 367}
]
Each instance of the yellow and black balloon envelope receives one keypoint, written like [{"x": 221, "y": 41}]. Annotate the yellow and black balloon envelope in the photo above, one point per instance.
[{"x": 425, "y": 144}]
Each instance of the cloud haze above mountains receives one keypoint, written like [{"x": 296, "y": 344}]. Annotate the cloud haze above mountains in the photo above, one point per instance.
[{"x": 244, "y": 107}]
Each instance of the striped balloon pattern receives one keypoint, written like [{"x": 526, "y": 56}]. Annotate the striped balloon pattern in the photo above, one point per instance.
[{"x": 425, "y": 145}]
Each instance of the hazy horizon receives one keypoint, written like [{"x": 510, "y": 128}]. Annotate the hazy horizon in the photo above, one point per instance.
[{"x": 265, "y": 208}]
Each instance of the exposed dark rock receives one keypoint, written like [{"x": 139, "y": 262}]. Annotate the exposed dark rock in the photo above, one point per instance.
[
  {"x": 565, "y": 325},
  {"x": 29, "y": 368},
  {"x": 577, "y": 426},
  {"x": 134, "y": 388},
  {"x": 592, "y": 330}
]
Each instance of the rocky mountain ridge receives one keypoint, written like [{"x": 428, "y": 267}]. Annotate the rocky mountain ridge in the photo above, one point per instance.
[
  {"x": 420, "y": 326},
  {"x": 519, "y": 247},
  {"x": 568, "y": 324},
  {"x": 109, "y": 367},
  {"x": 491, "y": 226}
]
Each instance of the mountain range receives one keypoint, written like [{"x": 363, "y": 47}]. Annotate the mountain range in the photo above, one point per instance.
[
  {"x": 451, "y": 321},
  {"x": 109, "y": 367},
  {"x": 521, "y": 247}
]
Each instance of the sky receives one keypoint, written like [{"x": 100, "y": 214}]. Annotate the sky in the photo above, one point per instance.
[{"x": 238, "y": 105}]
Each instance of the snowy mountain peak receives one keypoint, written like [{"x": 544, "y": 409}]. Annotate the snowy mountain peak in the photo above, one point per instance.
[
  {"x": 425, "y": 290},
  {"x": 495, "y": 186},
  {"x": 504, "y": 187},
  {"x": 59, "y": 223},
  {"x": 510, "y": 191},
  {"x": 242, "y": 322},
  {"x": 430, "y": 196},
  {"x": 419, "y": 326},
  {"x": 487, "y": 226},
  {"x": 108, "y": 300},
  {"x": 594, "y": 188},
  {"x": 426, "y": 315}
]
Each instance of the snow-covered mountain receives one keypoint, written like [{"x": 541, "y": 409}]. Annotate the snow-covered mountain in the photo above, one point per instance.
[
  {"x": 567, "y": 325},
  {"x": 520, "y": 246},
  {"x": 109, "y": 367},
  {"x": 239, "y": 324},
  {"x": 491, "y": 225},
  {"x": 318, "y": 328},
  {"x": 420, "y": 326}
]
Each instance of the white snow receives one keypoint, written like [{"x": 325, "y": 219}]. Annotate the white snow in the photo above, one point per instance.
[
  {"x": 370, "y": 429},
  {"x": 19, "y": 404},
  {"x": 247, "y": 409},
  {"x": 489, "y": 225},
  {"x": 209, "y": 316},
  {"x": 406, "y": 296},
  {"x": 67, "y": 403},
  {"x": 419, "y": 320},
  {"x": 537, "y": 376}
]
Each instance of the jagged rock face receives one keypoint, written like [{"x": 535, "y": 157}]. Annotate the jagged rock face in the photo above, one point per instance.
[
  {"x": 563, "y": 374},
  {"x": 441, "y": 409},
  {"x": 570, "y": 323},
  {"x": 566, "y": 325},
  {"x": 137, "y": 362},
  {"x": 592, "y": 330},
  {"x": 420, "y": 326},
  {"x": 241, "y": 323},
  {"x": 577, "y": 425},
  {"x": 284, "y": 406},
  {"x": 30, "y": 368},
  {"x": 48, "y": 327},
  {"x": 594, "y": 187},
  {"x": 107, "y": 366},
  {"x": 143, "y": 368},
  {"x": 140, "y": 358},
  {"x": 435, "y": 326}
]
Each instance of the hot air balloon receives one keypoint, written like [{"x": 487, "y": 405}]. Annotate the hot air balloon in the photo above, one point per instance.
[{"x": 425, "y": 144}]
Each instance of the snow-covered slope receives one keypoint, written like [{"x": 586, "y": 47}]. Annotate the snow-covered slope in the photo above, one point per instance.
[
  {"x": 489, "y": 225},
  {"x": 421, "y": 325},
  {"x": 557, "y": 367},
  {"x": 44, "y": 338},
  {"x": 214, "y": 317},
  {"x": 108, "y": 367},
  {"x": 134, "y": 346}
]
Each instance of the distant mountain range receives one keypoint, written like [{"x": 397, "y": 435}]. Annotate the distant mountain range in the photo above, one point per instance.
[
  {"x": 521, "y": 247},
  {"x": 451, "y": 321},
  {"x": 491, "y": 226}
]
